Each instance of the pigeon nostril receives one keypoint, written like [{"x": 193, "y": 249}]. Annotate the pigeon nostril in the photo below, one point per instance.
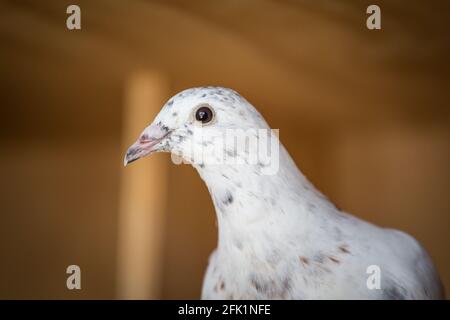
[{"x": 131, "y": 152}]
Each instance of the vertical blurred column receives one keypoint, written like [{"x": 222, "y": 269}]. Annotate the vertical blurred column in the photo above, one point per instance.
[{"x": 143, "y": 196}]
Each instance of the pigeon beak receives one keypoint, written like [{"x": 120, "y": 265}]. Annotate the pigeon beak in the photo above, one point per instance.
[
  {"x": 146, "y": 144},
  {"x": 138, "y": 150}
]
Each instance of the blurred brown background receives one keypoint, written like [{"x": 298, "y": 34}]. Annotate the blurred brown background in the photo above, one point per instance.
[{"x": 365, "y": 114}]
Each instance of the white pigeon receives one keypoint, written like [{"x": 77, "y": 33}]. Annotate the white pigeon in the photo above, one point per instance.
[{"x": 280, "y": 238}]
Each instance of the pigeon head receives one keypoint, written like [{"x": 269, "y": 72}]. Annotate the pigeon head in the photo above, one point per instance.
[{"x": 195, "y": 121}]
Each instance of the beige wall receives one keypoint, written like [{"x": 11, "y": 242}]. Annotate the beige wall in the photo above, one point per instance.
[{"x": 364, "y": 114}]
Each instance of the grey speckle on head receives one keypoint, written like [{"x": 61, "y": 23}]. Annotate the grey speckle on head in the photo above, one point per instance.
[{"x": 228, "y": 199}]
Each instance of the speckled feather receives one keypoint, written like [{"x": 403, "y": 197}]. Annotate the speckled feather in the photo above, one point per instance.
[{"x": 280, "y": 238}]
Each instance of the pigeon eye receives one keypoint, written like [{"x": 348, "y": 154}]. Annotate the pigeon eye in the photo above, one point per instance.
[{"x": 204, "y": 114}]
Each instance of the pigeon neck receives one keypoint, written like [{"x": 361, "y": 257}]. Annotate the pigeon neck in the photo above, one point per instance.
[{"x": 249, "y": 203}]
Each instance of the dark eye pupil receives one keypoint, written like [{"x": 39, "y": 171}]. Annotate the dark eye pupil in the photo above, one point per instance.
[{"x": 204, "y": 114}]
